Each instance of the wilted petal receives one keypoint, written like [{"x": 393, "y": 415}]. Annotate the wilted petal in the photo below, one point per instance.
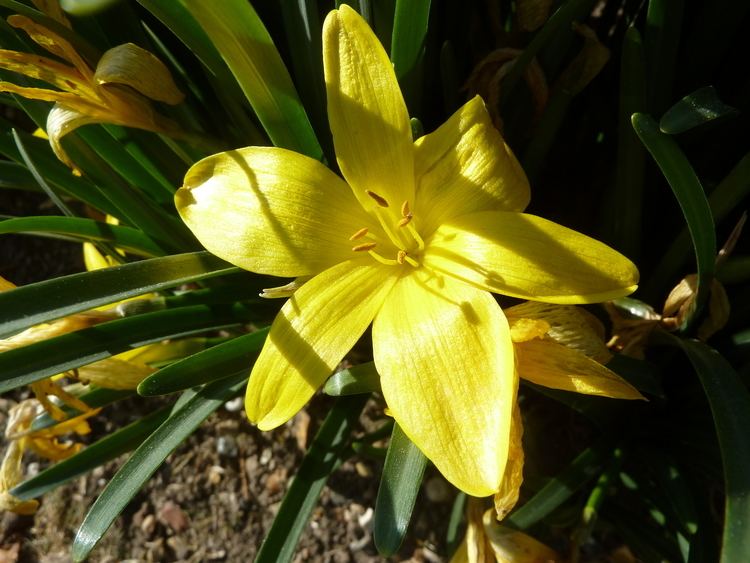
[
  {"x": 270, "y": 211},
  {"x": 133, "y": 66},
  {"x": 11, "y": 474},
  {"x": 445, "y": 358},
  {"x": 512, "y": 546},
  {"x": 464, "y": 167},
  {"x": 113, "y": 373},
  {"x": 62, "y": 120},
  {"x": 310, "y": 335},
  {"x": 366, "y": 111},
  {"x": 529, "y": 257},
  {"x": 58, "y": 74},
  {"x": 510, "y": 489},
  {"x": 553, "y": 365}
]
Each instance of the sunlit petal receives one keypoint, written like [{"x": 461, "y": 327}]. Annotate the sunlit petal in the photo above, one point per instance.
[
  {"x": 62, "y": 120},
  {"x": 58, "y": 74},
  {"x": 445, "y": 357},
  {"x": 464, "y": 167},
  {"x": 310, "y": 335},
  {"x": 553, "y": 365},
  {"x": 510, "y": 488},
  {"x": 514, "y": 546},
  {"x": 529, "y": 257},
  {"x": 133, "y": 66},
  {"x": 270, "y": 211},
  {"x": 366, "y": 111}
]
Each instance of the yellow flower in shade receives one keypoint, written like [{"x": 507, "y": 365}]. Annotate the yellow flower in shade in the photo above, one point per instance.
[
  {"x": 413, "y": 244},
  {"x": 117, "y": 91}
]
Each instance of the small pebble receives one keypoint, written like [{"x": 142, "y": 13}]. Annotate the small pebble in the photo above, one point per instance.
[
  {"x": 235, "y": 405},
  {"x": 226, "y": 446},
  {"x": 148, "y": 525},
  {"x": 265, "y": 456}
]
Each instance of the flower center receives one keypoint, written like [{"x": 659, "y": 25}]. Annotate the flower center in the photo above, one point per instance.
[{"x": 400, "y": 232}]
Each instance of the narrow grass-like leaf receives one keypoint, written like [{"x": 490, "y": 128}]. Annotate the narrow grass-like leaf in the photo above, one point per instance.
[
  {"x": 247, "y": 48},
  {"x": 689, "y": 192},
  {"x": 662, "y": 41},
  {"x": 697, "y": 108},
  {"x": 452, "y": 537},
  {"x": 407, "y": 47},
  {"x": 146, "y": 460},
  {"x": 559, "y": 489},
  {"x": 325, "y": 454},
  {"x": 223, "y": 360},
  {"x": 95, "y": 455},
  {"x": 730, "y": 404},
  {"x": 399, "y": 487},
  {"x": 626, "y": 206},
  {"x": 362, "y": 378},
  {"x": 126, "y": 238},
  {"x": 16, "y": 177},
  {"x": 33, "y": 362},
  {"x": 26, "y": 306}
]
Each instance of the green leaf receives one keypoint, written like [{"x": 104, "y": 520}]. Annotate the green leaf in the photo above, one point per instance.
[
  {"x": 325, "y": 454},
  {"x": 98, "y": 453},
  {"x": 695, "y": 109},
  {"x": 41, "y": 302},
  {"x": 247, "y": 48},
  {"x": 407, "y": 47},
  {"x": 689, "y": 192},
  {"x": 355, "y": 380},
  {"x": 223, "y": 360},
  {"x": 730, "y": 405},
  {"x": 399, "y": 487},
  {"x": 662, "y": 41},
  {"x": 146, "y": 460},
  {"x": 559, "y": 489},
  {"x": 25, "y": 365},
  {"x": 84, "y": 230}
]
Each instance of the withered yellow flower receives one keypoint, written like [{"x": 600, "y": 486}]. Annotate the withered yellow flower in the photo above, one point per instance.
[
  {"x": 413, "y": 242},
  {"x": 117, "y": 91}
]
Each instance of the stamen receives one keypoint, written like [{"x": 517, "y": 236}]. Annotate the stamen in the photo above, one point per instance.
[
  {"x": 366, "y": 247},
  {"x": 400, "y": 256},
  {"x": 405, "y": 209},
  {"x": 359, "y": 234},
  {"x": 390, "y": 233},
  {"x": 409, "y": 260},
  {"x": 380, "y": 200},
  {"x": 405, "y": 221},
  {"x": 416, "y": 236},
  {"x": 382, "y": 260}
]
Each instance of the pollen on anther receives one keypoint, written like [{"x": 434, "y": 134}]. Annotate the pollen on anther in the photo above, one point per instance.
[
  {"x": 359, "y": 234},
  {"x": 401, "y": 256},
  {"x": 379, "y": 199},
  {"x": 364, "y": 247},
  {"x": 405, "y": 221},
  {"x": 405, "y": 212}
]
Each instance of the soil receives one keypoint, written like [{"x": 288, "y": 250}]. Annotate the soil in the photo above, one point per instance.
[{"x": 215, "y": 498}]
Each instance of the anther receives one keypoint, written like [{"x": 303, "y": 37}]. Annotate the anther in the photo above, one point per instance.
[
  {"x": 401, "y": 256},
  {"x": 405, "y": 221},
  {"x": 364, "y": 247},
  {"x": 359, "y": 234},
  {"x": 380, "y": 200},
  {"x": 405, "y": 209}
]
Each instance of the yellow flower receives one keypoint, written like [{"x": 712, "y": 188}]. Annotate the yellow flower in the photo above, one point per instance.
[
  {"x": 414, "y": 244},
  {"x": 117, "y": 91}
]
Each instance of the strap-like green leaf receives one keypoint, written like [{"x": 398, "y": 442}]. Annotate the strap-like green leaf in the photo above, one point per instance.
[
  {"x": 125, "y": 238},
  {"x": 399, "y": 486},
  {"x": 242, "y": 39},
  {"x": 56, "y": 355},
  {"x": 223, "y": 360},
  {"x": 146, "y": 460},
  {"x": 326, "y": 452},
  {"x": 98, "y": 453},
  {"x": 44, "y": 301},
  {"x": 355, "y": 380},
  {"x": 695, "y": 109},
  {"x": 407, "y": 46},
  {"x": 729, "y": 400}
]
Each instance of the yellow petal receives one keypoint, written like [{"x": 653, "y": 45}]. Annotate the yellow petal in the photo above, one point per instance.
[
  {"x": 445, "y": 358},
  {"x": 464, "y": 167},
  {"x": 113, "y": 373},
  {"x": 52, "y": 9},
  {"x": 11, "y": 474},
  {"x": 529, "y": 257},
  {"x": 510, "y": 489},
  {"x": 58, "y": 74},
  {"x": 475, "y": 548},
  {"x": 271, "y": 211},
  {"x": 62, "y": 120},
  {"x": 367, "y": 113},
  {"x": 310, "y": 335},
  {"x": 133, "y": 66},
  {"x": 553, "y": 365},
  {"x": 512, "y": 546},
  {"x": 571, "y": 326},
  {"x": 53, "y": 43},
  {"x": 95, "y": 260},
  {"x": 5, "y": 285}
]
